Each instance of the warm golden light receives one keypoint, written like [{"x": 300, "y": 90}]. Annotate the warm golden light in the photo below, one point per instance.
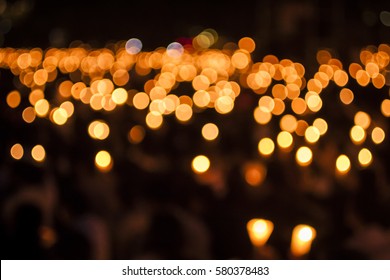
[
  {"x": 261, "y": 117},
  {"x": 210, "y": 131},
  {"x": 321, "y": 125},
  {"x": 385, "y": 107},
  {"x": 247, "y": 44},
  {"x": 17, "y": 151},
  {"x": 266, "y": 146},
  {"x": 312, "y": 134},
  {"x": 183, "y": 112},
  {"x": 154, "y": 120},
  {"x": 284, "y": 139},
  {"x": 42, "y": 107},
  {"x": 365, "y": 157},
  {"x": 259, "y": 231},
  {"x": 357, "y": 134},
  {"x": 141, "y": 100},
  {"x": 304, "y": 156},
  {"x": 38, "y": 153},
  {"x": 60, "y": 116},
  {"x": 98, "y": 130},
  {"x": 343, "y": 164},
  {"x": 346, "y": 96},
  {"x": 13, "y": 99},
  {"x": 28, "y": 115},
  {"x": 377, "y": 135},
  {"x": 201, "y": 98},
  {"x": 362, "y": 119},
  {"x": 288, "y": 123},
  {"x": 103, "y": 161},
  {"x": 200, "y": 164},
  {"x": 301, "y": 240},
  {"x": 119, "y": 96},
  {"x": 224, "y": 104},
  {"x": 340, "y": 77}
]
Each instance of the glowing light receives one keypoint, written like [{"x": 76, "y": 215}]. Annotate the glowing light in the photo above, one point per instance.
[
  {"x": 357, "y": 134},
  {"x": 266, "y": 104},
  {"x": 183, "y": 112},
  {"x": 60, "y": 116},
  {"x": 261, "y": 116},
  {"x": 301, "y": 240},
  {"x": 98, "y": 130},
  {"x": 13, "y": 99},
  {"x": 279, "y": 107},
  {"x": 266, "y": 146},
  {"x": 340, "y": 77},
  {"x": 133, "y": 46},
  {"x": 17, "y": 151},
  {"x": 240, "y": 60},
  {"x": 385, "y": 107},
  {"x": 298, "y": 105},
  {"x": 312, "y": 134},
  {"x": 254, "y": 173},
  {"x": 365, "y": 157},
  {"x": 362, "y": 78},
  {"x": 201, "y": 98},
  {"x": 377, "y": 135},
  {"x": 284, "y": 139},
  {"x": 343, "y": 164},
  {"x": 304, "y": 156},
  {"x": 68, "y": 107},
  {"x": 29, "y": 115},
  {"x": 210, "y": 131},
  {"x": 224, "y": 104},
  {"x": 136, "y": 134},
  {"x": 259, "y": 231},
  {"x": 119, "y": 96},
  {"x": 38, "y": 153},
  {"x": 200, "y": 164},
  {"x": 314, "y": 102},
  {"x": 301, "y": 127},
  {"x": 288, "y": 123},
  {"x": 103, "y": 161},
  {"x": 362, "y": 119},
  {"x": 247, "y": 44},
  {"x": 154, "y": 120},
  {"x": 40, "y": 77},
  {"x": 200, "y": 82},
  {"x": 346, "y": 96},
  {"x": 141, "y": 100},
  {"x": 41, "y": 107},
  {"x": 279, "y": 91},
  {"x": 175, "y": 50},
  {"x": 321, "y": 125}
]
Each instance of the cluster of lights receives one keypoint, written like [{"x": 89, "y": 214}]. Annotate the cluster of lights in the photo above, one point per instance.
[{"x": 101, "y": 79}]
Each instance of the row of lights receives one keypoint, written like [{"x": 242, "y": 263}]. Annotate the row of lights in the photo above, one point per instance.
[
  {"x": 260, "y": 230},
  {"x": 208, "y": 70}
]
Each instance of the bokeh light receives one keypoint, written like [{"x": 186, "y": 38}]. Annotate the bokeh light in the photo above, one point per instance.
[
  {"x": 200, "y": 164},
  {"x": 210, "y": 131},
  {"x": 17, "y": 151},
  {"x": 304, "y": 156},
  {"x": 38, "y": 153},
  {"x": 343, "y": 164},
  {"x": 103, "y": 161},
  {"x": 266, "y": 146}
]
